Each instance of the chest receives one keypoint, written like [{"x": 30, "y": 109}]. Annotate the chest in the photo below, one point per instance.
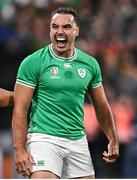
[{"x": 65, "y": 75}]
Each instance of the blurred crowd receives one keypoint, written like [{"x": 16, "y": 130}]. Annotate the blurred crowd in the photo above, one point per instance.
[{"x": 108, "y": 31}]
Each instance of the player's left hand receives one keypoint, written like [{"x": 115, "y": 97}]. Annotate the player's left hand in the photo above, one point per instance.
[{"x": 113, "y": 152}]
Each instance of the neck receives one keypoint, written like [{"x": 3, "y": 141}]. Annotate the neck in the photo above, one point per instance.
[{"x": 69, "y": 53}]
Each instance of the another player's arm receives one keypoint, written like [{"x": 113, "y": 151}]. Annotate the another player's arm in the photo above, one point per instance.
[
  {"x": 6, "y": 98},
  {"x": 22, "y": 100},
  {"x": 106, "y": 121}
]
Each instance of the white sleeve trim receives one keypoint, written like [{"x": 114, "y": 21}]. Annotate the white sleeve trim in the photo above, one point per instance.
[
  {"x": 97, "y": 85},
  {"x": 17, "y": 82}
]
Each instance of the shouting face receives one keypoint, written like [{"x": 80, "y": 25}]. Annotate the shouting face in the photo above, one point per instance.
[{"x": 63, "y": 31}]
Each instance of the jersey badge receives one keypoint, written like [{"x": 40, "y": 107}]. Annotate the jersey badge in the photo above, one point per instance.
[
  {"x": 54, "y": 73},
  {"x": 81, "y": 72}
]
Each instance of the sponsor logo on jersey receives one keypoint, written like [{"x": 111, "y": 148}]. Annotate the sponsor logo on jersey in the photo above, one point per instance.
[
  {"x": 54, "y": 73},
  {"x": 81, "y": 72},
  {"x": 67, "y": 65}
]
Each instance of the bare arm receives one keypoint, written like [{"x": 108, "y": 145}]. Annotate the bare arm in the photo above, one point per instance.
[
  {"x": 106, "y": 121},
  {"x": 22, "y": 99},
  {"x": 6, "y": 98}
]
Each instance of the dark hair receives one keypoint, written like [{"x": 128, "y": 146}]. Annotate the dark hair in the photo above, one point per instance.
[{"x": 67, "y": 10}]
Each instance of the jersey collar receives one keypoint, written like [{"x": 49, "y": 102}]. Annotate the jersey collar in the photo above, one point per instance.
[{"x": 62, "y": 58}]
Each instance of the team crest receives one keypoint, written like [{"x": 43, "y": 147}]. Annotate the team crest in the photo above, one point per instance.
[{"x": 82, "y": 72}]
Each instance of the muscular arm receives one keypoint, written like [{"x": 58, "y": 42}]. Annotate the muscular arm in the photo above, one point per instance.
[
  {"x": 105, "y": 119},
  {"x": 6, "y": 98},
  {"x": 22, "y": 100}
]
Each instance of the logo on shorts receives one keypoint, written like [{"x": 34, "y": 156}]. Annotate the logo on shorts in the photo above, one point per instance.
[
  {"x": 40, "y": 163},
  {"x": 82, "y": 72}
]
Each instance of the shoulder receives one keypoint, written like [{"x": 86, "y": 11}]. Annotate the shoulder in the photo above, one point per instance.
[
  {"x": 38, "y": 55},
  {"x": 36, "y": 58},
  {"x": 86, "y": 58}
]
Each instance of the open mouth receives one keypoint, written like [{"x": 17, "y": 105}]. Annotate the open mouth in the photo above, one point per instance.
[{"x": 61, "y": 41}]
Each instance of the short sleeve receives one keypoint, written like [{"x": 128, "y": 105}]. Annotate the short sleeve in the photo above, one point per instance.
[
  {"x": 96, "y": 75},
  {"x": 28, "y": 72}
]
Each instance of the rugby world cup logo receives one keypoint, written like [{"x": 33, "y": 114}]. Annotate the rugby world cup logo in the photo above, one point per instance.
[
  {"x": 81, "y": 72},
  {"x": 54, "y": 71}
]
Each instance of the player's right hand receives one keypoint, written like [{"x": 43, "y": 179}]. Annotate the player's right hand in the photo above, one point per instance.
[{"x": 23, "y": 162}]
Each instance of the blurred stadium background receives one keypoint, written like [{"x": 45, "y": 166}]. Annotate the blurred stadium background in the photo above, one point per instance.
[{"x": 109, "y": 33}]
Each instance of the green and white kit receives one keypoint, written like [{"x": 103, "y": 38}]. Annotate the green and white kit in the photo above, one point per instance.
[{"x": 60, "y": 85}]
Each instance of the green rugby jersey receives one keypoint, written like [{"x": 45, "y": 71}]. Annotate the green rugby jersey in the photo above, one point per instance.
[{"x": 60, "y": 85}]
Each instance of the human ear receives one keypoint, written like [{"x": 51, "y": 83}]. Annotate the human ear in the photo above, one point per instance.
[{"x": 77, "y": 31}]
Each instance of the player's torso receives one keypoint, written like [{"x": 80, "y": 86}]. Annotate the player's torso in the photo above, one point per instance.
[
  {"x": 59, "y": 94},
  {"x": 68, "y": 75}
]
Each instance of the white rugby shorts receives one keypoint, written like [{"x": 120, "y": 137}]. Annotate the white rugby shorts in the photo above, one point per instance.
[{"x": 67, "y": 158}]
